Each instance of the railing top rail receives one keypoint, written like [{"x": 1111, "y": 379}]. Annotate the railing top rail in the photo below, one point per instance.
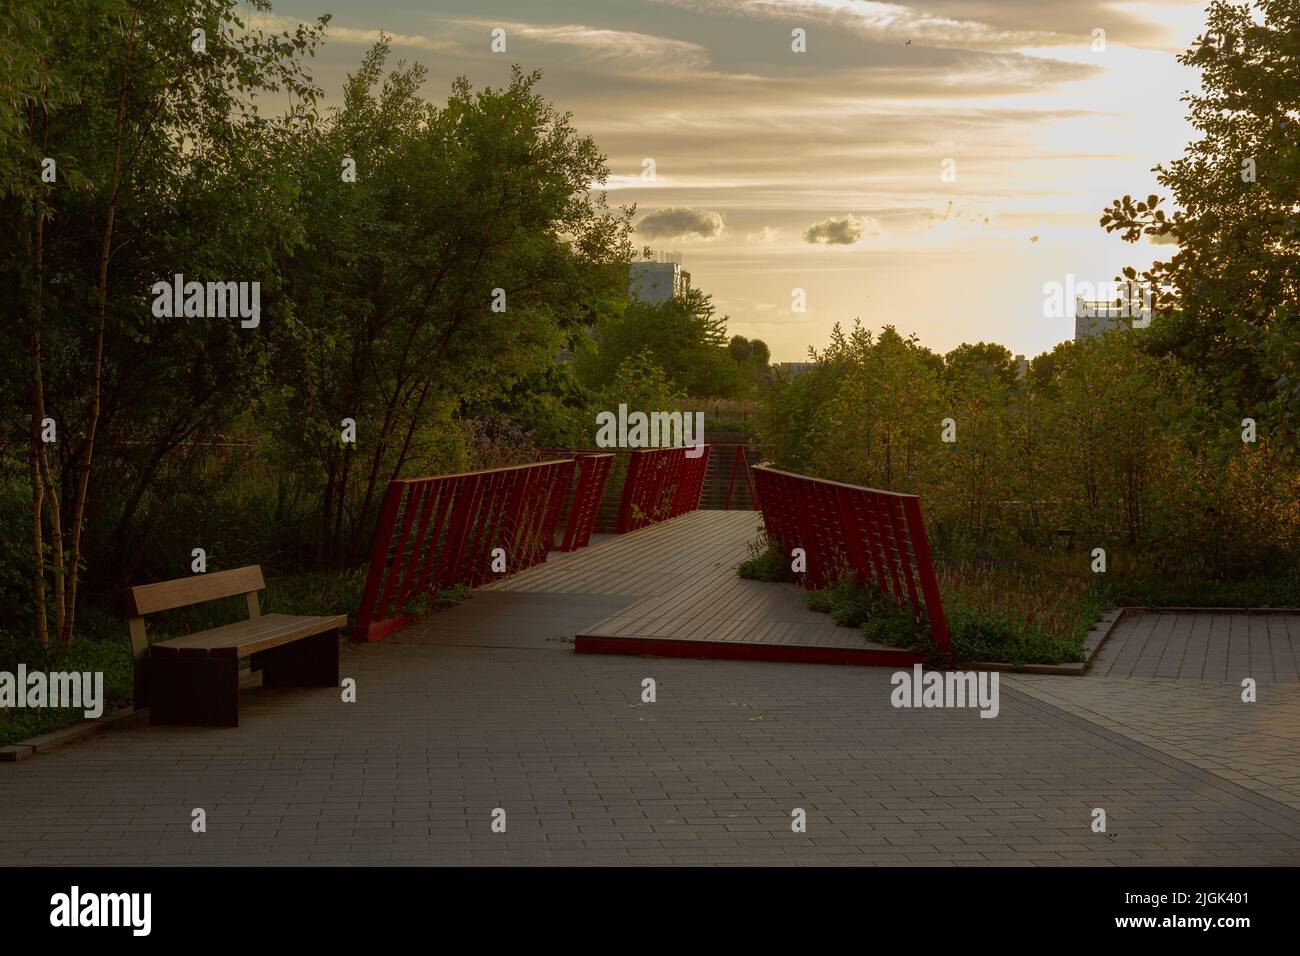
[
  {"x": 629, "y": 451},
  {"x": 481, "y": 471},
  {"x": 589, "y": 452},
  {"x": 835, "y": 484}
]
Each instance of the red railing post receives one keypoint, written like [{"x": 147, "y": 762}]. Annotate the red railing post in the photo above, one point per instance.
[
  {"x": 740, "y": 462},
  {"x": 463, "y": 527},
  {"x": 593, "y": 472},
  {"x": 390, "y": 580},
  {"x": 665, "y": 464},
  {"x": 378, "y": 557},
  {"x": 925, "y": 567},
  {"x": 442, "y": 488},
  {"x": 690, "y": 486},
  {"x": 857, "y": 554},
  {"x": 426, "y": 494},
  {"x": 631, "y": 493},
  {"x": 556, "y": 488},
  {"x": 513, "y": 538}
]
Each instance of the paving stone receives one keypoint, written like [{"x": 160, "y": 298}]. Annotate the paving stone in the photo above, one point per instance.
[{"x": 476, "y": 708}]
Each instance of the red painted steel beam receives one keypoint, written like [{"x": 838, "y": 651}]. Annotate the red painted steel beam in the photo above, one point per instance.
[
  {"x": 378, "y": 558},
  {"x": 593, "y": 472}
]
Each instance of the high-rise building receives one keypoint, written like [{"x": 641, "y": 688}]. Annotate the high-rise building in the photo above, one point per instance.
[
  {"x": 1094, "y": 317},
  {"x": 658, "y": 279}
]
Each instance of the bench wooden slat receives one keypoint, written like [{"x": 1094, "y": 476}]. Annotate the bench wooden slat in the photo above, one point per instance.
[
  {"x": 166, "y": 595},
  {"x": 249, "y": 637}
]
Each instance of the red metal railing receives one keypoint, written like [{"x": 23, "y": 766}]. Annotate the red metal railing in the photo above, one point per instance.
[
  {"x": 584, "y": 507},
  {"x": 877, "y": 535},
  {"x": 661, "y": 483},
  {"x": 740, "y": 463},
  {"x": 721, "y": 490},
  {"x": 437, "y": 532}
]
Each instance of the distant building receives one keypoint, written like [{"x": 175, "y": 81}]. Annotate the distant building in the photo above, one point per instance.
[
  {"x": 657, "y": 280},
  {"x": 795, "y": 368},
  {"x": 1091, "y": 318},
  {"x": 1022, "y": 367}
]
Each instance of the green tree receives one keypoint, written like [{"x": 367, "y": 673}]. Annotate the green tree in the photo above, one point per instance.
[
  {"x": 641, "y": 385},
  {"x": 1123, "y": 435},
  {"x": 987, "y": 360},
  {"x": 155, "y": 162},
  {"x": 467, "y": 251},
  {"x": 754, "y": 359},
  {"x": 1234, "y": 282},
  {"x": 684, "y": 336}
]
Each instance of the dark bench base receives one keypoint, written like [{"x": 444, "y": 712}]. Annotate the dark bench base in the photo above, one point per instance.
[
  {"x": 196, "y": 689},
  {"x": 202, "y": 689},
  {"x": 308, "y": 662}
]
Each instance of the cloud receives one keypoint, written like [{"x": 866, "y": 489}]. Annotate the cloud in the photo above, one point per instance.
[
  {"x": 626, "y": 48},
  {"x": 883, "y": 22},
  {"x": 766, "y": 234},
  {"x": 678, "y": 222},
  {"x": 841, "y": 230},
  {"x": 275, "y": 23}
]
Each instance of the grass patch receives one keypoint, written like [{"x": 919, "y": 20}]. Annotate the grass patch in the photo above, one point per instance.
[
  {"x": 849, "y": 604},
  {"x": 766, "y": 562},
  {"x": 995, "y": 612},
  {"x": 439, "y": 601},
  {"x": 1000, "y": 611},
  {"x": 93, "y": 648}
]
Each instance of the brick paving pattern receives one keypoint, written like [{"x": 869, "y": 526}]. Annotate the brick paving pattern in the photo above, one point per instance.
[
  {"x": 1256, "y": 745},
  {"x": 487, "y": 706},
  {"x": 1203, "y": 646}
]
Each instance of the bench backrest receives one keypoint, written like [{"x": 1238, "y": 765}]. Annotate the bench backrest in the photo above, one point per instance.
[
  {"x": 183, "y": 592},
  {"x": 166, "y": 595}
]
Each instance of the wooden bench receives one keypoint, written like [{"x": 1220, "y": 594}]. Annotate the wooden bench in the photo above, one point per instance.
[{"x": 195, "y": 679}]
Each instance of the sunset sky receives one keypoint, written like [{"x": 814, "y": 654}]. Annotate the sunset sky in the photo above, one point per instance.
[{"x": 823, "y": 170}]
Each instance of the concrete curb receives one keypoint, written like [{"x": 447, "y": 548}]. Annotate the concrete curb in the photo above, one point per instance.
[
  {"x": 1098, "y": 635},
  {"x": 117, "y": 720},
  {"x": 1091, "y": 644},
  {"x": 44, "y": 743},
  {"x": 1214, "y": 610}
]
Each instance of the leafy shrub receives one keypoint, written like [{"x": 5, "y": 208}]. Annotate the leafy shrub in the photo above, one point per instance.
[
  {"x": 439, "y": 600},
  {"x": 894, "y": 625},
  {"x": 861, "y": 605},
  {"x": 995, "y": 612},
  {"x": 848, "y": 603},
  {"x": 766, "y": 562},
  {"x": 771, "y": 565},
  {"x": 1100, "y": 441},
  {"x": 1006, "y": 611},
  {"x": 984, "y": 635}
]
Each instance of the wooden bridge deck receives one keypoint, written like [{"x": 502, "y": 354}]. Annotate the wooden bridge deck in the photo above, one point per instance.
[{"x": 687, "y": 601}]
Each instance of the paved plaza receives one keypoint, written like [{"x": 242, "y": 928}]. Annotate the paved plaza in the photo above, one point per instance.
[{"x": 487, "y": 706}]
